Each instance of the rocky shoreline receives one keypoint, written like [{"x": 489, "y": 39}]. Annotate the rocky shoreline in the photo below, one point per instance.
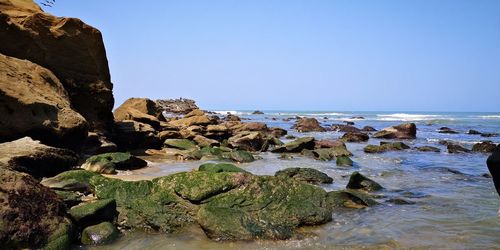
[{"x": 60, "y": 142}]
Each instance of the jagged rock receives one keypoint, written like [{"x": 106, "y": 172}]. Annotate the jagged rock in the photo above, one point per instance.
[
  {"x": 308, "y": 125},
  {"x": 385, "y": 146},
  {"x": 203, "y": 141},
  {"x": 484, "y": 147},
  {"x": 202, "y": 120},
  {"x": 34, "y": 103},
  {"x": 428, "y": 149},
  {"x": 177, "y": 106},
  {"x": 402, "y": 131},
  {"x": 31, "y": 215},
  {"x": 135, "y": 135},
  {"x": 99, "y": 234},
  {"x": 141, "y": 110},
  {"x": 454, "y": 148},
  {"x": 71, "y": 49},
  {"x": 359, "y": 181},
  {"x": 355, "y": 137},
  {"x": 195, "y": 112},
  {"x": 309, "y": 175},
  {"x": 108, "y": 163},
  {"x": 29, "y": 156},
  {"x": 248, "y": 140},
  {"x": 296, "y": 146}
]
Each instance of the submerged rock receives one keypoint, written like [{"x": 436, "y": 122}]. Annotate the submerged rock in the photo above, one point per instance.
[
  {"x": 446, "y": 130},
  {"x": 309, "y": 175},
  {"x": 108, "y": 163},
  {"x": 345, "y": 128},
  {"x": 355, "y": 137},
  {"x": 428, "y": 149},
  {"x": 454, "y": 148},
  {"x": 402, "y": 131},
  {"x": 99, "y": 234},
  {"x": 359, "y": 181},
  {"x": 385, "y": 146},
  {"x": 350, "y": 198},
  {"x": 308, "y": 125},
  {"x": 344, "y": 160},
  {"x": 484, "y": 147}
]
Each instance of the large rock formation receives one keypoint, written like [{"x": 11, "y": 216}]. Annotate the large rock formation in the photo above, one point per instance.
[
  {"x": 177, "y": 106},
  {"x": 71, "y": 49},
  {"x": 34, "y": 103},
  {"x": 139, "y": 109}
]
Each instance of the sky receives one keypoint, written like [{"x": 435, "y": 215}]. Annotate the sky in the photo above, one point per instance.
[{"x": 338, "y": 55}]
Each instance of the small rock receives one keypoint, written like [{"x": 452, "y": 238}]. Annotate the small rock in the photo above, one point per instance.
[
  {"x": 257, "y": 112},
  {"x": 402, "y": 131},
  {"x": 344, "y": 161},
  {"x": 220, "y": 167},
  {"x": 183, "y": 144},
  {"x": 108, "y": 163},
  {"x": 308, "y": 175},
  {"x": 446, "y": 130},
  {"x": 296, "y": 146},
  {"x": 359, "y": 181},
  {"x": 87, "y": 214},
  {"x": 454, "y": 148},
  {"x": 368, "y": 129},
  {"x": 99, "y": 234},
  {"x": 355, "y": 137},
  {"x": 428, "y": 149},
  {"x": 484, "y": 147}
]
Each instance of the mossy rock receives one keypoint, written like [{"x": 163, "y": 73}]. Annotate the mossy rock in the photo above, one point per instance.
[
  {"x": 61, "y": 238},
  {"x": 344, "y": 161},
  {"x": 108, "y": 163},
  {"x": 99, "y": 234},
  {"x": 183, "y": 144},
  {"x": 69, "y": 198},
  {"x": 73, "y": 180},
  {"x": 359, "y": 181},
  {"x": 123, "y": 192},
  {"x": 428, "y": 149},
  {"x": 385, "y": 146},
  {"x": 94, "y": 212},
  {"x": 239, "y": 156},
  {"x": 350, "y": 199},
  {"x": 219, "y": 167},
  {"x": 309, "y": 175}
]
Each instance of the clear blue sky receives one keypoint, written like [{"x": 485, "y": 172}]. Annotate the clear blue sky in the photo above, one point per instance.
[{"x": 421, "y": 55}]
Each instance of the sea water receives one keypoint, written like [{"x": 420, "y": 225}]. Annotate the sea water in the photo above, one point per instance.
[{"x": 455, "y": 203}]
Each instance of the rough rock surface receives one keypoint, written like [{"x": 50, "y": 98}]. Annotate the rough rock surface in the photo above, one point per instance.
[
  {"x": 308, "y": 125},
  {"x": 359, "y": 181},
  {"x": 355, "y": 137},
  {"x": 402, "y": 131},
  {"x": 385, "y": 146},
  {"x": 178, "y": 106},
  {"x": 34, "y": 103},
  {"x": 29, "y": 156},
  {"x": 484, "y": 147},
  {"x": 108, "y": 163},
  {"x": 71, "y": 49},
  {"x": 309, "y": 175}
]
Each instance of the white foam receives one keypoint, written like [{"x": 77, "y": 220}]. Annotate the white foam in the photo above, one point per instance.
[
  {"x": 490, "y": 116},
  {"x": 411, "y": 117}
]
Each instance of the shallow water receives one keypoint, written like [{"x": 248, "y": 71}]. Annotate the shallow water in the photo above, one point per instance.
[{"x": 453, "y": 209}]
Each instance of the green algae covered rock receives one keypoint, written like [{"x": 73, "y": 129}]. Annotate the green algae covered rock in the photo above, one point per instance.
[
  {"x": 239, "y": 156},
  {"x": 183, "y": 144},
  {"x": 61, "y": 238},
  {"x": 350, "y": 199},
  {"x": 94, "y": 212},
  {"x": 385, "y": 146},
  {"x": 73, "y": 180},
  {"x": 99, "y": 234},
  {"x": 69, "y": 198},
  {"x": 219, "y": 167},
  {"x": 359, "y": 181},
  {"x": 309, "y": 175},
  {"x": 344, "y": 161},
  {"x": 108, "y": 163},
  {"x": 123, "y": 192}
]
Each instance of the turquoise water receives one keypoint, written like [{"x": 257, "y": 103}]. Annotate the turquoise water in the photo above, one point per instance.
[{"x": 455, "y": 206}]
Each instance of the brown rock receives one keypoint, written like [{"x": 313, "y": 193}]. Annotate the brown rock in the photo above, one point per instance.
[
  {"x": 177, "y": 106},
  {"x": 484, "y": 147},
  {"x": 193, "y": 120},
  {"x": 34, "y": 103},
  {"x": 355, "y": 137},
  {"x": 141, "y": 105},
  {"x": 308, "y": 125},
  {"x": 345, "y": 128},
  {"x": 402, "y": 131},
  {"x": 71, "y": 49},
  {"x": 203, "y": 141},
  {"x": 169, "y": 134},
  {"x": 135, "y": 135},
  {"x": 195, "y": 112},
  {"x": 247, "y": 140}
]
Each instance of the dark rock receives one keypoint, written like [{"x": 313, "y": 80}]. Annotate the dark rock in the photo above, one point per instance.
[
  {"x": 355, "y": 137},
  {"x": 233, "y": 118},
  {"x": 359, "y": 181},
  {"x": 108, "y": 163},
  {"x": 257, "y": 112},
  {"x": 350, "y": 198},
  {"x": 428, "y": 149},
  {"x": 358, "y": 117},
  {"x": 493, "y": 163},
  {"x": 87, "y": 214},
  {"x": 102, "y": 233},
  {"x": 400, "y": 201},
  {"x": 344, "y": 161},
  {"x": 454, "y": 148},
  {"x": 402, "y": 131},
  {"x": 484, "y": 147},
  {"x": 29, "y": 156},
  {"x": 309, "y": 175},
  {"x": 308, "y": 125},
  {"x": 489, "y": 134},
  {"x": 130, "y": 134},
  {"x": 368, "y": 129},
  {"x": 296, "y": 146},
  {"x": 446, "y": 130},
  {"x": 349, "y": 122},
  {"x": 385, "y": 146},
  {"x": 474, "y": 132},
  {"x": 69, "y": 198},
  {"x": 98, "y": 144},
  {"x": 278, "y": 132},
  {"x": 345, "y": 128},
  {"x": 219, "y": 168}
]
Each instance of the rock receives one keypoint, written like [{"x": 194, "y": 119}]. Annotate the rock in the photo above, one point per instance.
[
  {"x": 183, "y": 144},
  {"x": 296, "y": 146},
  {"x": 102, "y": 233},
  {"x": 31, "y": 215},
  {"x": 257, "y": 112},
  {"x": 400, "y": 201},
  {"x": 454, "y": 148},
  {"x": 129, "y": 113},
  {"x": 446, "y": 130},
  {"x": 69, "y": 198},
  {"x": 92, "y": 213},
  {"x": 277, "y": 132},
  {"x": 177, "y": 106},
  {"x": 290, "y": 137},
  {"x": 98, "y": 144},
  {"x": 428, "y": 149},
  {"x": 169, "y": 134},
  {"x": 484, "y": 147},
  {"x": 350, "y": 198},
  {"x": 239, "y": 156},
  {"x": 359, "y": 181},
  {"x": 71, "y": 49},
  {"x": 201, "y": 120},
  {"x": 493, "y": 163},
  {"x": 73, "y": 180},
  {"x": 195, "y": 112},
  {"x": 402, "y": 131},
  {"x": 327, "y": 150},
  {"x": 308, "y": 125},
  {"x": 233, "y": 118},
  {"x": 220, "y": 167},
  {"x": 202, "y": 141},
  {"x": 358, "y": 118},
  {"x": 474, "y": 132},
  {"x": 489, "y": 134},
  {"x": 309, "y": 175},
  {"x": 345, "y": 128},
  {"x": 141, "y": 110},
  {"x": 34, "y": 158},
  {"x": 250, "y": 126},
  {"x": 108, "y": 163},
  {"x": 344, "y": 161},
  {"x": 355, "y": 137},
  {"x": 385, "y": 146},
  {"x": 368, "y": 129},
  {"x": 248, "y": 140},
  {"x": 37, "y": 105},
  {"x": 135, "y": 135}
]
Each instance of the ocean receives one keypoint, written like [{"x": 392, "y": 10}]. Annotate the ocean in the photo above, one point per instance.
[{"x": 454, "y": 203}]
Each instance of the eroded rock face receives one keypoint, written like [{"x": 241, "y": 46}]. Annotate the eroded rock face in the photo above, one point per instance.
[
  {"x": 402, "y": 131},
  {"x": 29, "y": 156},
  {"x": 71, "y": 49},
  {"x": 34, "y": 103}
]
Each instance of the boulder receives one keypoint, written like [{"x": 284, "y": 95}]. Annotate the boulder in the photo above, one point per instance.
[
  {"x": 308, "y": 125},
  {"x": 108, "y": 163},
  {"x": 202, "y": 120},
  {"x": 455, "y": 148},
  {"x": 350, "y": 198},
  {"x": 71, "y": 49},
  {"x": 257, "y": 112},
  {"x": 484, "y": 147},
  {"x": 296, "y": 146},
  {"x": 474, "y": 132},
  {"x": 73, "y": 180},
  {"x": 368, "y": 129},
  {"x": 345, "y": 128},
  {"x": 29, "y": 156},
  {"x": 87, "y": 214},
  {"x": 402, "y": 131},
  {"x": 428, "y": 149},
  {"x": 203, "y": 141},
  {"x": 309, "y": 175},
  {"x": 128, "y": 113},
  {"x": 31, "y": 215},
  {"x": 446, "y": 130},
  {"x": 355, "y": 137},
  {"x": 102, "y": 233},
  {"x": 248, "y": 140},
  {"x": 493, "y": 163},
  {"x": 277, "y": 132},
  {"x": 385, "y": 146},
  {"x": 220, "y": 167},
  {"x": 359, "y": 181},
  {"x": 344, "y": 161},
  {"x": 177, "y": 106},
  {"x": 130, "y": 134},
  {"x": 182, "y": 144},
  {"x": 34, "y": 103},
  {"x": 195, "y": 112}
]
